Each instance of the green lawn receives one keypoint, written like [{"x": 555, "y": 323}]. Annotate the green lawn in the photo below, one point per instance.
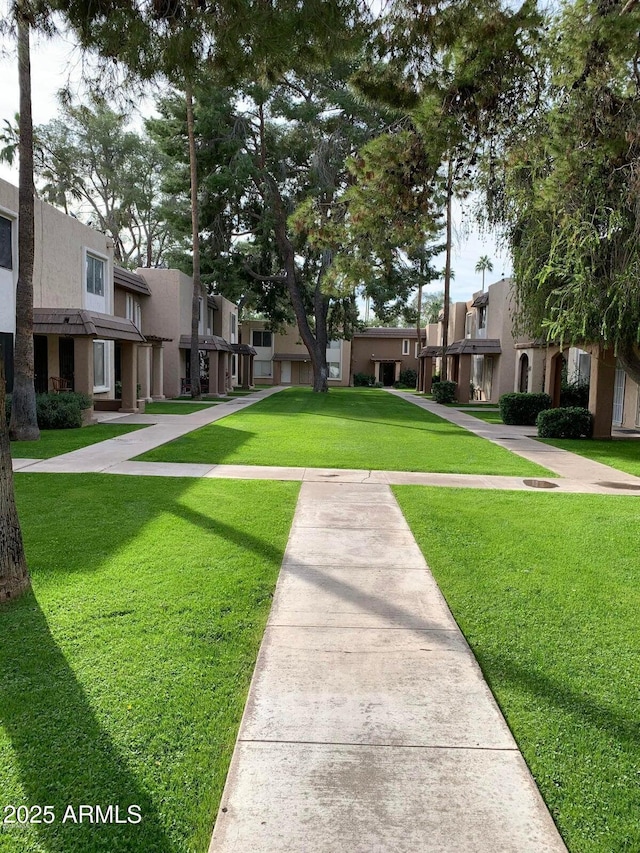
[
  {"x": 169, "y": 408},
  {"x": 488, "y": 417},
  {"x": 546, "y": 588},
  {"x": 125, "y": 673},
  {"x": 53, "y": 442},
  {"x": 620, "y": 453},
  {"x": 346, "y": 428}
]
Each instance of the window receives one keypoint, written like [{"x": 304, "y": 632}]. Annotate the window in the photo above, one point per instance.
[
  {"x": 262, "y": 369},
  {"x": 210, "y": 321},
  {"x": 133, "y": 311},
  {"x": 6, "y": 251},
  {"x": 234, "y": 321},
  {"x": 417, "y": 349},
  {"x": 482, "y": 317},
  {"x": 334, "y": 369},
  {"x": 100, "y": 365},
  {"x": 405, "y": 347},
  {"x": 95, "y": 276},
  {"x": 468, "y": 325},
  {"x": 333, "y": 345},
  {"x": 261, "y": 339}
]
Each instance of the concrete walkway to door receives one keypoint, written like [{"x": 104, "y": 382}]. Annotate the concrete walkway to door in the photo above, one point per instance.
[{"x": 369, "y": 726}]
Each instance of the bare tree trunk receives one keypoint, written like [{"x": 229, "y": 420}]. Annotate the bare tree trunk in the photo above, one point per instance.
[
  {"x": 196, "y": 391},
  {"x": 447, "y": 275},
  {"x": 24, "y": 422},
  {"x": 14, "y": 574}
]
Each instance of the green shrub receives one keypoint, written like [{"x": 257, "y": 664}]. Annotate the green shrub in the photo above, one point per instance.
[
  {"x": 523, "y": 409},
  {"x": 58, "y": 411},
  {"x": 61, "y": 411},
  {"x": 444, "y": 392},
  {"x": 363, "y": 380},
  {"x": 435, "y": 379},
  {"x": 409, "y": 377},
  {"x": 566, "y": 422},
  {"x": 574, "y": 394}
]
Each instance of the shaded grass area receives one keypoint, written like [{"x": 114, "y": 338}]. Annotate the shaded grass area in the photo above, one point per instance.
[
  {"x": 53, "y": 442},
  {"x": 549, "y": 602},
  {"x": 175, "y": 408},
  {"x": 346, "y": 428},
  {"x": 620, "y": 453},
  {"x": 125, "y": 672}
]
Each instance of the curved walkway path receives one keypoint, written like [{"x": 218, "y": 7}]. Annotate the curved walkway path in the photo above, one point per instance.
[{"x": 369, "y": 727}]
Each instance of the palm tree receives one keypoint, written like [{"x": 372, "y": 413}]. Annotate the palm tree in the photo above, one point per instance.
[{"x": 484, "y": 265}]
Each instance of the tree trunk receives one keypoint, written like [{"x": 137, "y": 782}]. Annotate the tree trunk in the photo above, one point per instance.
[
  {"x": 24, "y": 422},
  {"x": 316, "y": 345},
  {"x": 14, "y": 574},
  {"x": 196, "y": 391},
  {"x": 447, "y": 276},
  {"x": 629, "y": 358}
]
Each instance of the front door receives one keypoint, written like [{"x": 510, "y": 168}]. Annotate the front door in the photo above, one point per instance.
[
  {"x": 66, "y": 359},
  {"x": 388, "y": 374},
  {"x": 40, "y": 364}
]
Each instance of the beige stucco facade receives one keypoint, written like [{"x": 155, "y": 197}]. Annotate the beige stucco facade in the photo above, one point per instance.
[
  {"x": 384, "y": 353},
  {"x": 168, "y": 315},
  {"x": 283, "y": 359}
]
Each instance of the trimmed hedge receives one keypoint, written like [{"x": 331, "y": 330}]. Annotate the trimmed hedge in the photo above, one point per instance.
[
  {"x": 444, "y": 392},
  {"x": 409, "y": 377},
  {"x": 566, "y": 422},
  {"x": 523, "y": 409},
  {"x": 58, "y": 411},
  {"x": 363, "y": 380}
]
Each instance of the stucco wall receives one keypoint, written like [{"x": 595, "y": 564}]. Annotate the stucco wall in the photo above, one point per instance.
[
  {"x": 61, "y": 244},
  {"x": 162, "y": 315},
  {"x": 366, "y": 349}
]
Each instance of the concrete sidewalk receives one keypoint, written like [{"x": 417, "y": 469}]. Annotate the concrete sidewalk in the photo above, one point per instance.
[{"x": 369, "y": 726}]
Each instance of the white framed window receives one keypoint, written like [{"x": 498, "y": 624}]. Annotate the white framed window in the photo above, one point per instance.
[
  {"x": 210, "y": 321},
  {"x": 482, "y": 317},
  {"x": 333, "y": 345},
  {"x": 95, "y": 275},
  {"x": 262, "y": 369},
  {"x": 468, "y": 325},
  {"x": 405, "y": 346},
  {"x": 417, "y": 349},
  {"x": 334, "y": 370},
  {"x": 234, "y": 328},
  {"x": 100, "y": 366}
]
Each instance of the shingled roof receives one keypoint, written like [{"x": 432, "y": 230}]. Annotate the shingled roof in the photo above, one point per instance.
[{"x": 78, "y": 323}]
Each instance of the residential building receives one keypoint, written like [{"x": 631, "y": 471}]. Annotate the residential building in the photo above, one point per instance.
[
  {"x": 168, "y": 314},
  {"x": 75, "y": 325},
  {"x": 384, "y": 353},
  {"x": 282, "y": 358}
]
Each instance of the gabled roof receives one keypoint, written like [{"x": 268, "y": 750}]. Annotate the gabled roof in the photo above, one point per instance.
[
  {"x": 208, "y": 343},
  {"x": 482, "y": 299},
  {"x": 243, "y": 349},
  {"x": 77, "y": 323},
  {"x": 131, "y": 281}
]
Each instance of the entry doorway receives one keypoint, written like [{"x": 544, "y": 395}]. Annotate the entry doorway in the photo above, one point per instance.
[{"x": 388, "y": 373}]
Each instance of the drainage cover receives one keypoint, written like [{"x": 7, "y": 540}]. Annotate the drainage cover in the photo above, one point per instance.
[
  {"x": 540, "y": 484},
  {"x": 631, "y": 486}
]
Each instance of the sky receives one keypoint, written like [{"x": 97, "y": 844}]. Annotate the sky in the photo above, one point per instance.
[{"x": 55, "y": 64}]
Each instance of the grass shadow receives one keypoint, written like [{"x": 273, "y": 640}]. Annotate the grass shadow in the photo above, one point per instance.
[{"x": 63, "y": 755}]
